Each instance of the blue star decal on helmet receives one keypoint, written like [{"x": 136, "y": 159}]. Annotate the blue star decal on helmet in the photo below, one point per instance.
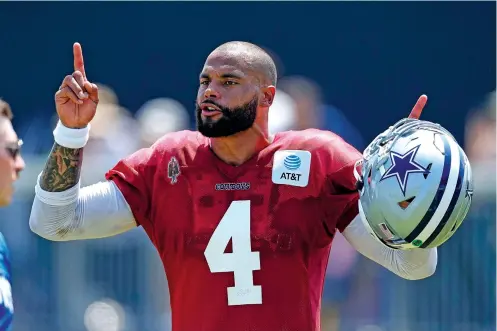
[{"x": 402, "y": 166}]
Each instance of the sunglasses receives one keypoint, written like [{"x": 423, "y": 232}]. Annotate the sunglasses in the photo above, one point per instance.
[{"x": 14, "y": 148}]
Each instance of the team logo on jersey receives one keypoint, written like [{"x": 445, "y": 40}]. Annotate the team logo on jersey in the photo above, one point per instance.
[
  {"x": 402, "y": 166},
  {"x": 173, "y": 170},
  {"x": 291, "y": 168}
]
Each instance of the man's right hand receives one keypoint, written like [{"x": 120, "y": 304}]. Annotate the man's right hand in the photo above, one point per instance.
[{"x": 77, "y": 99}]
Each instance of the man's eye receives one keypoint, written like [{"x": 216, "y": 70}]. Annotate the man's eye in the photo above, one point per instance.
[{"x": 230, "y": 82}]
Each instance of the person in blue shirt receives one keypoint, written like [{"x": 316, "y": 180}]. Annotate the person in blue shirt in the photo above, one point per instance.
[{"x": 11, "y": 164}]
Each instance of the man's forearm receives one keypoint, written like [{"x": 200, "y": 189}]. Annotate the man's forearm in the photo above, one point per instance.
[{"x": 62, "y": 169}]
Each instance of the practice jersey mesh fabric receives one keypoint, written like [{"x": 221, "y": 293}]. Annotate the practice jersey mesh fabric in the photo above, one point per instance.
[{"x": 268, "y": 243}]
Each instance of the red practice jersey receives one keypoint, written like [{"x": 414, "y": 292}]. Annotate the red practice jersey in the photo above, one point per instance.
[{"x": 244, "y": 248}]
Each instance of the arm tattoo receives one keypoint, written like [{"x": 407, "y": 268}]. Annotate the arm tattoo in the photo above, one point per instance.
[{"x": 62, "y": 169}]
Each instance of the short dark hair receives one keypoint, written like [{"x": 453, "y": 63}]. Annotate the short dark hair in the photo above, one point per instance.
[
  {"x": 5, "y": 110},
  {"x": 262, "y": 58}
]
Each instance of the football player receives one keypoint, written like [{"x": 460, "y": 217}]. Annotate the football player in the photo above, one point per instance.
[
  {"x": 11, "y": 165},
  {"x": 243, "y": 221}
]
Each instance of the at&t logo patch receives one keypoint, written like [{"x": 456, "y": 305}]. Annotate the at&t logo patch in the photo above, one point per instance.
[{"x": 291, "y": 168}]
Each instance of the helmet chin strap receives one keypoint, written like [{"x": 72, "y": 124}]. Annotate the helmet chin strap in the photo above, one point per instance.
[{"x": 359, "y": 181}]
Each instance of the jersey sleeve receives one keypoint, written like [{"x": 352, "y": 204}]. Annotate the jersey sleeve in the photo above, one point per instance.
[
  {"x": 133, "y": 176},
  {"x": 340, "y": 195}
]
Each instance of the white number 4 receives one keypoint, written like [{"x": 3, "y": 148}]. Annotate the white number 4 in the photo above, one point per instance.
[{"x": 235, "y": 225}]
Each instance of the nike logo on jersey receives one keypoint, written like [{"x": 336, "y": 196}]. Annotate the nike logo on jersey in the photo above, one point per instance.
[{"x": 291, "y": 167}]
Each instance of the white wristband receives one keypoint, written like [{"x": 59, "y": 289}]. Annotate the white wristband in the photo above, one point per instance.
[{"x": 71, "y": 138}]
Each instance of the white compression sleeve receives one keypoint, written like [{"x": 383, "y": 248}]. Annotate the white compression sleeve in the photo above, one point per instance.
[
  {"x": 95, "y": 211},
  {"x": 411, "y": 264}
]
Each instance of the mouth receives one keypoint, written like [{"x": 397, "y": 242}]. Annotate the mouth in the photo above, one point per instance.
[{"x": 208, "y": 109}]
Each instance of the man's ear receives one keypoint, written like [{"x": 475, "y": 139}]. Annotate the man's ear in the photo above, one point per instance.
[{"x": 267, "y": 96}]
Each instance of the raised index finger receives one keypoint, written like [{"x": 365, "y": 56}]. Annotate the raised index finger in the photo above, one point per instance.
[
  {"x": 79, "y": 64},
  {"x": 418, "y": 107}
]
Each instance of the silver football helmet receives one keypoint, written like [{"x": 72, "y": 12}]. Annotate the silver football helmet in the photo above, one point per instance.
[{"x": 415, "y": 185}]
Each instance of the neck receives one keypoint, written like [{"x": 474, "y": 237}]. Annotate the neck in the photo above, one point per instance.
[{"x": 240, "y": 147}]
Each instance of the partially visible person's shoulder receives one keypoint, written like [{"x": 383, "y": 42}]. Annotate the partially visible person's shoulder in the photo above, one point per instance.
[
  {"x": 4, "y": 257},
  {"x": 3, "y": 245},
  {"x": 311, "y": 138},
  {"x": 178, "y": 140},
  {"x": 324, "y": 145},
  {"x": 182, "y": 145}
]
